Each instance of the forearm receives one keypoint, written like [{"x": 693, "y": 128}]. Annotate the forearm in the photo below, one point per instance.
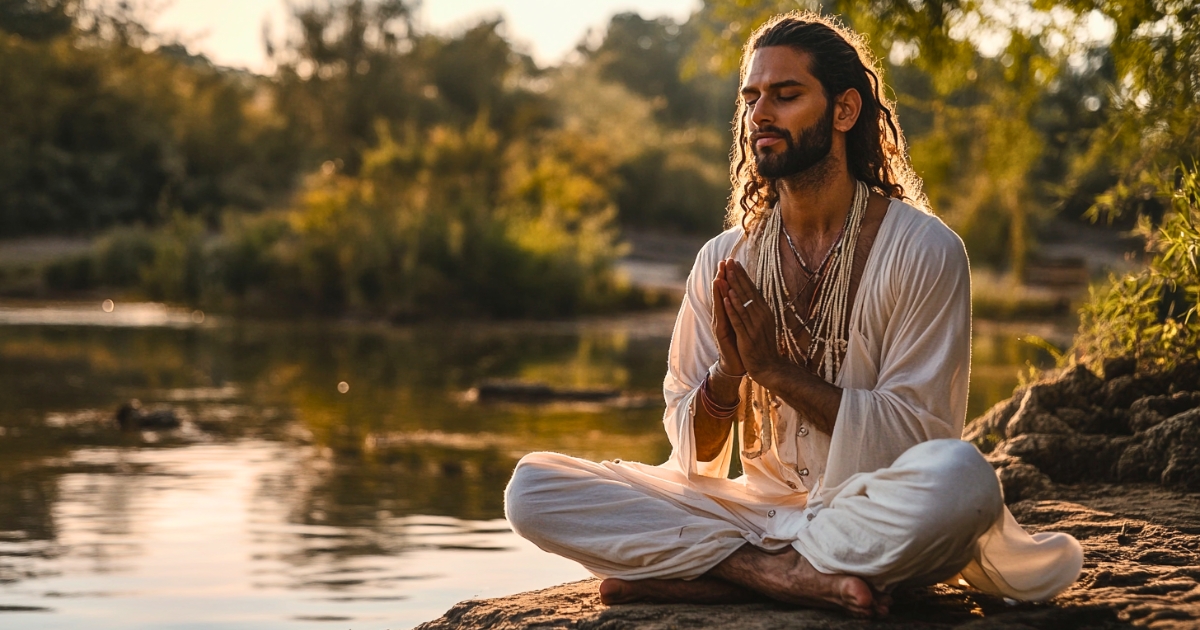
[
  {"x": 711, "y": 433},
  {"x": 811, "y": 396}
]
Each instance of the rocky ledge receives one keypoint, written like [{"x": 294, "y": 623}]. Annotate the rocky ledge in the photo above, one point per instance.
[{"x": 1113, "y": 461}]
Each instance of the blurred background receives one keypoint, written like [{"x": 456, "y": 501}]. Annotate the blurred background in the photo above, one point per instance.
[{"x": 343, "y": 262}]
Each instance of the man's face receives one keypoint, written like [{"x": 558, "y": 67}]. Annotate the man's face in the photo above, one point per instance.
[{"x": 789, "y": 118}]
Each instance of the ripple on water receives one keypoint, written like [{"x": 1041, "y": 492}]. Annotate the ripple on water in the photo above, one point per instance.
[{"x": 143, "y": 536}]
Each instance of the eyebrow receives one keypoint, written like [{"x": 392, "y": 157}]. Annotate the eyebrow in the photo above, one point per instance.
[{"x": 775, "y": 86}]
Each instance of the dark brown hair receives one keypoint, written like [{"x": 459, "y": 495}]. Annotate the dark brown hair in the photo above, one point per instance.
[{"x": 841, "y": 60}]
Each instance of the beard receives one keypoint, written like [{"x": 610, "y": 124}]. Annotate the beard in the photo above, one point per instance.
[{"x": 800, "y": 154}]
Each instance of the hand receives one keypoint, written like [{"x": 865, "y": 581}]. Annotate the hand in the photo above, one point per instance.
[
  {"x": 731, "y": 361},
  {"x": 752, "y": 322}
]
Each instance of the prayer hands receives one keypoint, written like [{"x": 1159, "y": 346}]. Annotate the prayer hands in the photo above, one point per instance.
[
  {"x": 731, "y": 360},
  {"x": 751, "y": 320}
]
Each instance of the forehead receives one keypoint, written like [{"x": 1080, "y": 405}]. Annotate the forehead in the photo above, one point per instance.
[{"x": 774, "y": 64}]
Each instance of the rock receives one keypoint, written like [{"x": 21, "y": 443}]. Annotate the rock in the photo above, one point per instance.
[
  {"x": 1185, "y": 377},
  {"x": 986, "y": 431},
  {"x": 1167, "y": 453},
  {"x": 1022, "y": 481},
  {"x": 1093, "y": 420},
  {"x": 1031, "y": 417},
  {"x": 1119, "y": 366},
  {"x": 1140, "y": 570},
  {"x": 524, "y": 392},
  {"x": 1069, "y": 458},
  {"x": 1063, "y": 405},
  {"x": 131, "y": 417},
  {"x": 1123, "y": 391},
  {"x": 1147, "y": 412},
  {"x": 1076, "y": 388}
]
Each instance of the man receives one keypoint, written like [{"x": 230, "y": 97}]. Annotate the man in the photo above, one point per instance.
[{"x": 828, "y": 333}]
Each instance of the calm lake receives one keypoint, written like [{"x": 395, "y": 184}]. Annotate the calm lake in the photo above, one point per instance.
[{"x": 324, "y": 476}]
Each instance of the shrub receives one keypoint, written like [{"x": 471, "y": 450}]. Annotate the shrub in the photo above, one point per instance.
[{"x": 1152, "y": 315}]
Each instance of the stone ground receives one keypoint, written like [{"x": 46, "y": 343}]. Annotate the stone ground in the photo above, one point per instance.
[{"x": 1142, "y": 569}]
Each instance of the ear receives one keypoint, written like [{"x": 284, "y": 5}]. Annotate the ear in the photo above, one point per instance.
[{"x": 846, "y": 109}]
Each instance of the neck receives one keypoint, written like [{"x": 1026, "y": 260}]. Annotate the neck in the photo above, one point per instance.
[{"x": 816, "y": 201}]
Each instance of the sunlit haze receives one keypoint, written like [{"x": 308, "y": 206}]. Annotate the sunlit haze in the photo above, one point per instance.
[{"x": 230, "y": 32}]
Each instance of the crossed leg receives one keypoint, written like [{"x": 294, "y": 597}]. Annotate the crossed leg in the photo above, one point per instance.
[{"x": 657, "y": 539}]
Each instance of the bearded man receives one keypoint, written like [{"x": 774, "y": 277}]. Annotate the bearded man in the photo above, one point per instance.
[{"x": 828, "y": 333}]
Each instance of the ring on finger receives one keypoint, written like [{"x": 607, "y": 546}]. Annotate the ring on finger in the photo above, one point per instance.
[{"x": 747, "y": 303}]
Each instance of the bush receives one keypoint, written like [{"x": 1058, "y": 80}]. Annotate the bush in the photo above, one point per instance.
[
  {"x": 436, "y": 224},
  {"x": 121, "y": 255},
  {"x": 1151, "y": 316}
]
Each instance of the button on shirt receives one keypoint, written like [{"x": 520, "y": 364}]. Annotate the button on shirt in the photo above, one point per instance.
[{"x": 804, "y": 455}]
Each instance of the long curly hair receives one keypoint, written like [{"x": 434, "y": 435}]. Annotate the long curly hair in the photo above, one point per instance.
[{"x": 876, "y": 152}]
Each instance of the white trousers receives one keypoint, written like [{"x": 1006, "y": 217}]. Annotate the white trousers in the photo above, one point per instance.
[{"x": 913, "y": 523}]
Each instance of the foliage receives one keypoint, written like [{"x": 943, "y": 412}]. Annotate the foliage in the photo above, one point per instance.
[
  {"x": 436, "y": 174},
  {"x": 381, "y": 166},
  {"x": 1152, "y": 315},
  {"x": 1155, "y": 96},
  {"x": 97, "y": 132},
  {"x": 1017, "y": 110},
  {"x": 440, "y": 222}
]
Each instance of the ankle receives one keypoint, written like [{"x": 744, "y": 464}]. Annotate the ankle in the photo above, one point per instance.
[{"x": 752, "y": 567}]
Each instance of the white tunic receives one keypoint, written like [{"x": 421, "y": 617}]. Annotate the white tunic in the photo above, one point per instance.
[{"x": 904, "y": 381}]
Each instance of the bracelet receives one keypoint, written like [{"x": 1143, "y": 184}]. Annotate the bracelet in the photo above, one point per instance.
[
  {"x": 715, "y": 410},
  {"x": 715, "y": 370}
]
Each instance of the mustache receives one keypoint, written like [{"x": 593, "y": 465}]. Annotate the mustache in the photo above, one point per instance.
[{"x": 771, "y": 130}]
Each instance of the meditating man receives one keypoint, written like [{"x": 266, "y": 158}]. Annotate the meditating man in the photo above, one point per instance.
[{"x": 826, "y": 334}]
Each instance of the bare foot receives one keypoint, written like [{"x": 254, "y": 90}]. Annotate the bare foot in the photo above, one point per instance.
[
  {"x": 702, "y": 590},
  {"x": 789, "y": 577}
]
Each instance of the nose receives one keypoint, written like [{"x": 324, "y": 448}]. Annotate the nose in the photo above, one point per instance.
[{"x": 760, "y": 113}]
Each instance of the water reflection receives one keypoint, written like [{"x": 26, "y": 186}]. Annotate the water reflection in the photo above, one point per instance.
[{"x": 286, "y": 502}]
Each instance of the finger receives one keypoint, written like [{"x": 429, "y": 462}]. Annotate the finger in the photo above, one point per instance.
[
  {"x": 740, "y": 280},
  {"x": 735, "y": 269},
  {"x": 735, "y": 317},
  {"x": 720, "y": 290},
  {"x": 738, "y": 291},
  {"x": 749, "y": 297},
  {"x": 717, "y": 293},
  {"x": 743, "y": 324}
]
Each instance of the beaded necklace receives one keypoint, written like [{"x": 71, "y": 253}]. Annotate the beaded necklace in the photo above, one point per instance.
[{"x": 826, "y": 324}]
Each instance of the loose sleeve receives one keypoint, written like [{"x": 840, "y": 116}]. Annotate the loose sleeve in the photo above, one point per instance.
[
  {"x": 923, "y": 363},
  {"x": 693, "y": 350}
]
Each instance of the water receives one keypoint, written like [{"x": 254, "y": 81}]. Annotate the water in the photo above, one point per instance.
[{"x": 282, "y": 501}]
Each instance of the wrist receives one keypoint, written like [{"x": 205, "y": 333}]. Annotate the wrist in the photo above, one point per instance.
[
  {"x": 715, "y": 405},
  {"x": 719, "y": 370},
  {"x": 773, "y": 375}
]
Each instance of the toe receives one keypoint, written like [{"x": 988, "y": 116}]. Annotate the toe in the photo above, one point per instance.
[
  {"x": 613, "y": 591},
  {"x": 856, "y": 594}
]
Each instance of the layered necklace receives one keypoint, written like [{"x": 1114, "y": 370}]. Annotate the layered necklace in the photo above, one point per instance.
[{"x": 825, "y": 320}]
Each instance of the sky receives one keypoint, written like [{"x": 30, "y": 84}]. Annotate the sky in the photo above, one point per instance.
[{"x": 230, "y": 32}]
